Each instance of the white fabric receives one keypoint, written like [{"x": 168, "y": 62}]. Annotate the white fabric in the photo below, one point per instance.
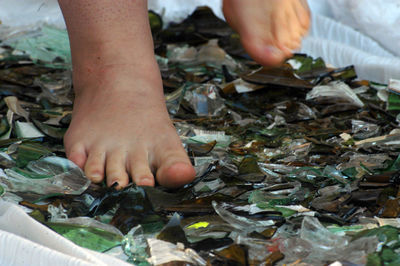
[
  {"x": 378, "y": 19},
  {"x": 17, "y": 13},
  {"x": 362, "y": 33},
  {"x": 177, "y": 10},
  {"x": 341, "y": 46},
  {"x": 24, "y": 241}
]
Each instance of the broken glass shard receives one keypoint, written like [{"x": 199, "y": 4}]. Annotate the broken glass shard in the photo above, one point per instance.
[
  {"x": 334, "y": 92},
  {"x": 2, "y": 190},
  {"x": 163, "y": 252},
  {"x": 135, "y": 245},
  {"x": 49, "y": 46},
  {"x": 276, "y": 76},
  {"x": 49, "y": 175},
  {"x": 241, "y": 223},
  {"x": 93, "y": 238}
]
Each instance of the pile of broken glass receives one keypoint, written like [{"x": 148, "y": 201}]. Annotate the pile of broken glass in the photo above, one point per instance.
[{"x": 296, "y": 165}]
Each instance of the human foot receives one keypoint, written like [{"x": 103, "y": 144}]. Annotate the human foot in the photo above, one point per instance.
[
  {"x": 269, "y": 29},
  {"x": 123, "y": 131},
  {"x": 120, "y": 127}
]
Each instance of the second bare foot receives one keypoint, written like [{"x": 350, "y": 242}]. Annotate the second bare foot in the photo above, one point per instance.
[{"x": 269, "y": 29}]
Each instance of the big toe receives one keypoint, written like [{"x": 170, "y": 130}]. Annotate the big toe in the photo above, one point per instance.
[
  {"x": 175, "y": 173},
  {"x": 172, "y": 163},
  {"x": 264, "y": 53}
]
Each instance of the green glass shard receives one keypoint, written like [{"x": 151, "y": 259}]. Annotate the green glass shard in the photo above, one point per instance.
[
  {"x": 49, "y": 46},
  {"x": 385, "y": 233},
  {"x": 29, "y": 174},
  {"x": 346, "y": 73},
  {"x": 54, "y": 132},
  {"x": 350, "y": 172},
  {"x": 5, "y": 129},
  {"x": 249, "y": 170},
  {"x": 305, "y": 63},
  {"x": 332, "y": 172},
  {"x": 30, "y": 151},
  {"x": 352, "y": 228},
  {"x": 265, "y": 200},
  {"x": 155, "y": 22},
  {"x": 2, "y": 190},
  {"x": 249, "y": 165},
  {"x": 395, "y": 165},
  {"x": 388, "y": 255},
  {"x": 88, "y": 237},
  {"x": 134, "y": 245},
  {"x": 38, "y": 216},
  {"x": 285, "y": 211},
  {"x": 374, "y": 260},
  {"x": 393, "y": 102}
]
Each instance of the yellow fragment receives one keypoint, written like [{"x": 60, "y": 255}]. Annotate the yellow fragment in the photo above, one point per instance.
[{"x": 199, "y": 225}]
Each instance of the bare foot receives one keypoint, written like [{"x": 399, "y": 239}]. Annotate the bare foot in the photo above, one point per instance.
[
  {"x": 269, "y": 29},
  {"x": 120, "y": 127},
  {"x": 120, "y": 132}
]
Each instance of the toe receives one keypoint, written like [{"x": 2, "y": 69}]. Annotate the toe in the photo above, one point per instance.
[
  {"x": 116, "y": 169},
  {"x": 263, "y": 51},
  {"x": 139, "y": 169},
  {"x": 303, "y": 14},
  {"x": 298, "y": 26},
  {"x": 295, "y": 41},
  {"x": 77, "y": 154},
  {"x": 289, "y": 35},
  {"x": 175, "y": 173},
  {"x": 281, "y": 28},
  {"x": 173, "y": 166},
  {"x": 94, "y": 166}
]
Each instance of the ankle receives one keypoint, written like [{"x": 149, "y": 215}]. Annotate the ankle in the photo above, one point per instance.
[{"x": 88, "y": 74}]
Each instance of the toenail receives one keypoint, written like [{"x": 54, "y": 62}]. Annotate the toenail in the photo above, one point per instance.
[
  {"x": 95, "y": 176},
  {"x": 145, "y": 181},
  {"x": 115, "y": 184},
  {"x": 145, "y": 178}
]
